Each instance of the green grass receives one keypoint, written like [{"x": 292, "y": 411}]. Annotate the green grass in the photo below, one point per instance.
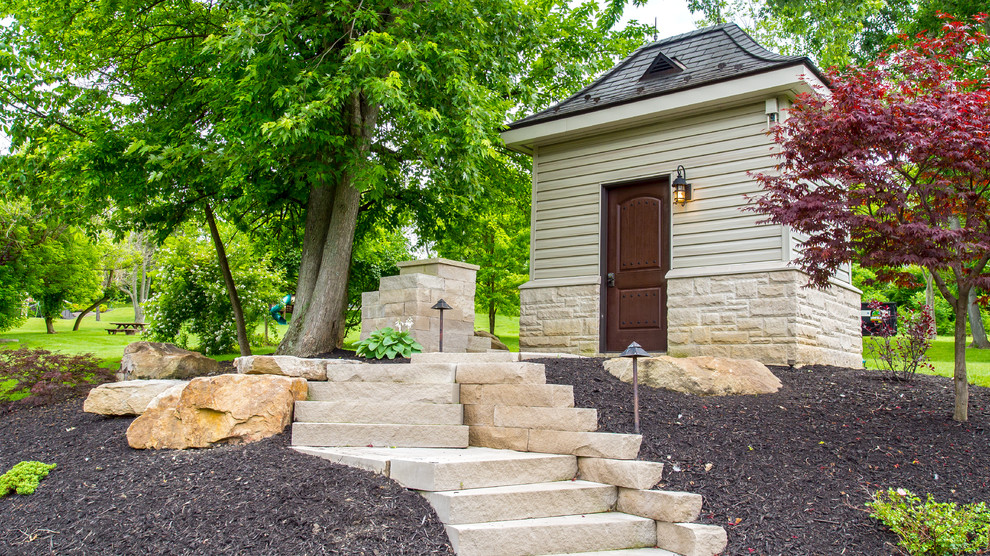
[{"x": 941, "y": 356}]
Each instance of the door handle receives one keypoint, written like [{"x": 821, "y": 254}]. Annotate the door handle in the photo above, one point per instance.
[{"x": 610, "y": 278}]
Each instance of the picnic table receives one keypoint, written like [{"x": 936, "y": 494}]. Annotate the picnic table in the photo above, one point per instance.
[{"x": 128, "y": 328}]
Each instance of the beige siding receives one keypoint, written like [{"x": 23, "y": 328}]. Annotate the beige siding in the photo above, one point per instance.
[{"x": 718, "y": 149}]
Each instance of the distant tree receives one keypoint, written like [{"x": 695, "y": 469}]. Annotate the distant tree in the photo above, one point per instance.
[
  {"x": 67, "y": 269},
  {"x": 893, "y": 168},
  {"x": 492, "y": 232},
  {"x": 135, "y": 280},
  {"x": 24, "y": 229}
]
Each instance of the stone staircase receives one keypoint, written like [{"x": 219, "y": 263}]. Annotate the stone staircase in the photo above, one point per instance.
[{"x": 537, "y": 479}]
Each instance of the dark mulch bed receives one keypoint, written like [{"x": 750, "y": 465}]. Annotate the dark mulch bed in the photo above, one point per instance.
[
  {"x": 261, "y": 498},
  {"x": 790, "y": 471}
]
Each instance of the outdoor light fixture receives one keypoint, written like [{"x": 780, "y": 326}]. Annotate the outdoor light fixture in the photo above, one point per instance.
[
  {"x": 635, "y": 351},
  {"x": 441, "y": 306},
  {"x": 681, "y": 188}
]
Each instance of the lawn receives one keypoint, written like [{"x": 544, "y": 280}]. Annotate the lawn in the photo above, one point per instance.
[{"x": 941, "y": 355}]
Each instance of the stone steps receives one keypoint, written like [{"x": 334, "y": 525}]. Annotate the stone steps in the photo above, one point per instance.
[
  {"x": 522, "y": 501},
  {"x": 378, "y": 413},
  {"x": 553, "y": 535},
  {"x": 406, "y": 436},
  {"x": 392, "y": 372},
  {"x": 380, "y": 392},
  {"x": 626, "y": 552}
]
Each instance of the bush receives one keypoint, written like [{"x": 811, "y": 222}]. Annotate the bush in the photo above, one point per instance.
[
  {"x": 932, "y": 527},
  {"x": 44, "y": 377},
  {"x": 901, "y": 355},
  {"x": 387, "y": 342},
  {"x": 191, "y": 298},
  {"x": 24, "y": 477}
]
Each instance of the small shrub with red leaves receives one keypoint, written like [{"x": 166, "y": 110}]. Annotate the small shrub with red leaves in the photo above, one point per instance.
[
  {"x": 901, "y": 355},
  {"x": 44, "y": 377}
]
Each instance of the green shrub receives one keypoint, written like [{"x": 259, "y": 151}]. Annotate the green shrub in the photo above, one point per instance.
[
  {"x": 24, "y": 477},
  {"x": 930, "y": 527},
  {"x": 387, "y": 342}
]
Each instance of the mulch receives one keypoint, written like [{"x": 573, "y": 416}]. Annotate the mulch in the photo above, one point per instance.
[
  {"x": 789, "y": 473},
  {"x": 785, "y": 473},
  {"x": 262, "y": 498}
]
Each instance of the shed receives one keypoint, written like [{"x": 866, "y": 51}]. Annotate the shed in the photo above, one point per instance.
[{"x": 614, "y": 258}]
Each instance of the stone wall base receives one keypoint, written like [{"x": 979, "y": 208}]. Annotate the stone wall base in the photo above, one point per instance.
[{"x": 767, "y": 316}]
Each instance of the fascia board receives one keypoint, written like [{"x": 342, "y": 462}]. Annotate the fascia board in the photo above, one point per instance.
[{"x": 792, "y": 80}]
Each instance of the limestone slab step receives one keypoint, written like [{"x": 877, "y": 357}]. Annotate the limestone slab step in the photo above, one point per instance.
[
  {"x": 528, "y": 395},
  {"x": 487, "y": 357},
  {"x": 577, "y": 419},
  {"x": 479, "y": 468},
  {"x": 378, "y": 413},
  {"x": 626, "y": 552},
  {"x": 501, "y": 373},
  {"x": 392, "y": 372},
  {"x": 594, "y": 444},
  {"x": 379, "y": 392},
  {"x": 408, "y": 436},
  {"x": 504, "y": 503},
  {"x": 553, "y": 535}
]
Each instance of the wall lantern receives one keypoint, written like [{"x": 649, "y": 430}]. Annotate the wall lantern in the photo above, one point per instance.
[
  {"x": 441, "y": 306},
  {"x": 681, "y": 188},
  {"x": 635, "y": 351}
]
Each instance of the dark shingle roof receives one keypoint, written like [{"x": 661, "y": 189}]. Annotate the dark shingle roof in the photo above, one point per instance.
[{"x": 707, "y": 55}]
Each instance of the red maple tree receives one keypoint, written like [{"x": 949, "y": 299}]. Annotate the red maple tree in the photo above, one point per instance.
[{"x": 891, "y": 167}]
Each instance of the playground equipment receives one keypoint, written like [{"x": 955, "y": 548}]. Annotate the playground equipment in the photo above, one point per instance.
[{"x": 283, "y": 308}]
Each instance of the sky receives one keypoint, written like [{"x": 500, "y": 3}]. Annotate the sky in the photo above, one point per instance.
[{"x": 672, "y": 16}]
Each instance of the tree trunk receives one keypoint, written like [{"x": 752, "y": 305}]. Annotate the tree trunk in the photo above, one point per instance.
[
  {"x": 49, "y": 325},
  {"x": 318, "y": 324},
  {"x": 228, "y": 280},
  {"x": 976, "y": 323},
  {"x": 491, "y": 317},
  {"x": 930, "y": 300},
  {"x": 961, "y": 385},
  {"x": 97, "y": 312},
  {"x": 106, "y": 296},
  {"x": 318, "y": 210}
]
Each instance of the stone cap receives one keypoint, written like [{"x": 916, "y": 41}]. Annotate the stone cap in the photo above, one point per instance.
[{"x": 410, "y": 267}]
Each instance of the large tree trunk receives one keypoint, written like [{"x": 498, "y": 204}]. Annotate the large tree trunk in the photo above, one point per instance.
[
  {"x": 961, "y": 385},
  {"x": 228, "y": 279},
  {"x": 314, "y": 238},
  {"x": 106, "y": 296},
  {"x": 318, "y": 317},
  {"x": 50, "y": 325},
  {"x": 976, "y": 323},
  {"x": 491, "y": 318}
]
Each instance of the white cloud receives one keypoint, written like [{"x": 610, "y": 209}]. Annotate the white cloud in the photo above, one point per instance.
[{"x": 672, "y": 16}]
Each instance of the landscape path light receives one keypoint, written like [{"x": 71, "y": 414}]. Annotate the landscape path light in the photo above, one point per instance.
[
  {"x": 441, "y": 306},
  {"x": 635, "y": 351}
]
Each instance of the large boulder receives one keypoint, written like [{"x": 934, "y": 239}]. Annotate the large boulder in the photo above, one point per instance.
[
  {"x": 496, "y": 342},
  {"x": 704, "y": 376},
  {"x": 154, "y": 360},
  {"x": 287, "y": 365},
  {"x": 224, "y": 409},
  {"x": 130, "y": 397}
]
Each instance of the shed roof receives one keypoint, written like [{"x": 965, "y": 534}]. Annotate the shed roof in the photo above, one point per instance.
[{"x": 703, "y": 57}]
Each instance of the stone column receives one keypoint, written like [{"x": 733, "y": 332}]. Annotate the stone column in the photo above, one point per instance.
[{"x": 410, "y": 296}]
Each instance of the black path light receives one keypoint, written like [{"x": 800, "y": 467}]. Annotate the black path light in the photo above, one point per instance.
[
  {"x": 635, "y": 351},
  {"x": 441, "y": 306}
]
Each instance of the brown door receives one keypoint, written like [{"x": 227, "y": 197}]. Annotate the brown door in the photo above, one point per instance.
[{"x": 637, "y": 232}]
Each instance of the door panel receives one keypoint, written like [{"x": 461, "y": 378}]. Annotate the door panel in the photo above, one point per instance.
[{"x": 637, "y": 229}]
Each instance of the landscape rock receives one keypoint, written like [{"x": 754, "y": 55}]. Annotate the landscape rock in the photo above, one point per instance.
[
  {"x": 154, "y": 360},
  {"x": 284, "y": 365},
  {"x": 660, "y": 505},
  {"x": 691, "y": 539},
  {"x": 130, "y": 397},
  {"x": 703, "y": 376},
  {"x": 496, "y": 343},
  {"x": 224, "y": 409}
]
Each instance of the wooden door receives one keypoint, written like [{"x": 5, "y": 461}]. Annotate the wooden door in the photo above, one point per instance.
[{"x": 637, "y": 246}]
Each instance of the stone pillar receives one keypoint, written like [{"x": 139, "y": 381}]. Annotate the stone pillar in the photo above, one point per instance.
[{"x": 409, "y": 296}]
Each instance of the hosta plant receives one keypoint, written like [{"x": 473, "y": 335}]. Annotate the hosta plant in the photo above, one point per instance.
[{"x": 388, "y": 342}]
